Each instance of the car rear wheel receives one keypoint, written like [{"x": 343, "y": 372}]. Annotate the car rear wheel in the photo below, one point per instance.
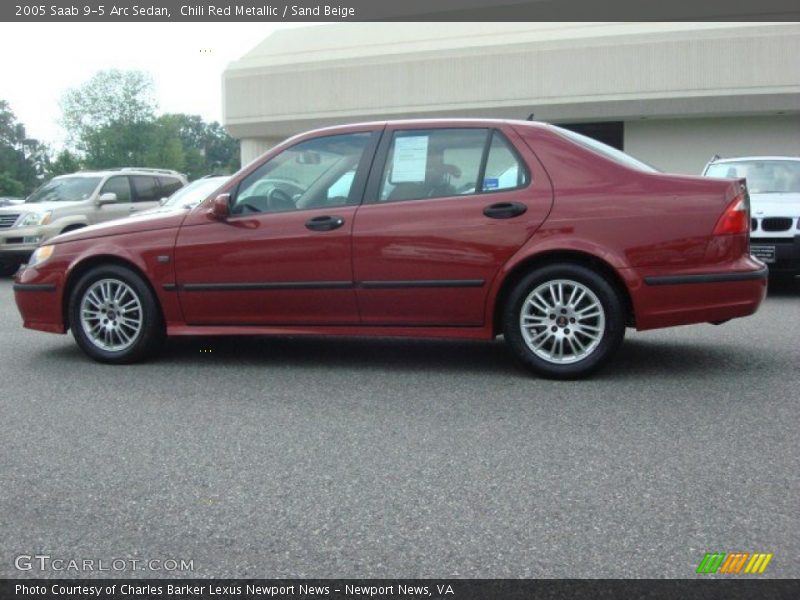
[
  {"x": 114, "y": 315},
  {"x": 564, "y": 321}
]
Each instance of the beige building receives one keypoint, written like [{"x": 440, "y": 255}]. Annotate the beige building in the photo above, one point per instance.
[{"x": 672, "y": 94}]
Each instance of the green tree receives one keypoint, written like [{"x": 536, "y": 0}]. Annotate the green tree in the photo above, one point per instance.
[
  {"x": 222, "y": 151},
  {"x": 107, "y": 118},
  {"x": 22, "y": 159},
  {"x": 207, "y": 147},
  {"x": 111, "y": 121},
  {"x": 10, "y": 186},
  {"x": 165, "y": 149},
  {"x": 65, "y": 162}
]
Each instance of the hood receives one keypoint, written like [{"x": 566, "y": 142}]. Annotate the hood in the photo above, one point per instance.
[
  {"x": 132, "y": 224},
  {"x": 162, "y": 210},
  {"x": 37, "y": 207},
  {"x": 775, "y": 205}
]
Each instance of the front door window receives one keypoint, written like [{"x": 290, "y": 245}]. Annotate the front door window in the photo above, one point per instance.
[{"x": 316, "y": 173}]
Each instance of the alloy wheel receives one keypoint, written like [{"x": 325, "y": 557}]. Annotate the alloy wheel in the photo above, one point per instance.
[
  {"x": 111, "y": 314},
  {"x": 562, "y": 321}
]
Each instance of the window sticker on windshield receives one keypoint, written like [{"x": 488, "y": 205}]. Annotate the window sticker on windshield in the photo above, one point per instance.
[
  {"x": 410, "y": 159},
  {"x": 491, "y": 183}
]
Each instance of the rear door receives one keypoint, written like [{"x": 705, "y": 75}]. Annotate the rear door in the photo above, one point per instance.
[{"x": 444, "y": 209}]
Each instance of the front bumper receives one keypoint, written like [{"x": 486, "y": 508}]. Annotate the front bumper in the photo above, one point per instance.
[
  {"x": 18, "y": 243},
  {"x": 38, "y": 297},
  {"x": 787, "y": 253}
]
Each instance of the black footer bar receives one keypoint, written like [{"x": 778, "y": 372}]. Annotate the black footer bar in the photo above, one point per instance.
[{"x": 396, "y": 589}]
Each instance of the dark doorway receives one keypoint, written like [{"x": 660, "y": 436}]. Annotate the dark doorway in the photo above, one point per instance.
[{"x": 610, "y": 132}]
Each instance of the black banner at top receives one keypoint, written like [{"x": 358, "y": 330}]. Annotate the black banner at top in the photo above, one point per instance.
[{"x": 399, "y": 10}]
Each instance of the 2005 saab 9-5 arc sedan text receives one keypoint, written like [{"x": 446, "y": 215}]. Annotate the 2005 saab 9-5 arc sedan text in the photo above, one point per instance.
[{"x": 446, "y": 228}]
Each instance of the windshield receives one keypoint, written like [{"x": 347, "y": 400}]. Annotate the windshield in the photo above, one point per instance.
[
  {"x": 617, "y": 156},
  {"x": 65, "y": 189},
  {"x": 763, "y": 176},
  {"x": 194, "y": 193}
]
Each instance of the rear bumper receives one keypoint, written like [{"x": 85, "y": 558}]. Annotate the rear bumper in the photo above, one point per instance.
[
  {"x": 787, "y": 253},
  {"x": 665, "y": 300}
]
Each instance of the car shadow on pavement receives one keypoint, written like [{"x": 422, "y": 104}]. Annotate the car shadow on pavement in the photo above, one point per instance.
[
  {"x": 636, "y": 358},
  {"x": 639, "y": 358},
  {"x": 344, "y": 352}
]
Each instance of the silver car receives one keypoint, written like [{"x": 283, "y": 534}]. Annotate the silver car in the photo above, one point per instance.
[
  {"x": 70, "y": 202},
  {"x": 774, "y": 186}
]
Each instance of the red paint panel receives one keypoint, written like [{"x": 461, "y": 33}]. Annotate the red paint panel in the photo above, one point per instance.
[
  {"x": 273, "y": 248},
  {"x": 441, "y": 239}
]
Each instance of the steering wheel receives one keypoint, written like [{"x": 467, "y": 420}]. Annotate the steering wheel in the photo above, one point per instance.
[{"x": 279, "y": 199}]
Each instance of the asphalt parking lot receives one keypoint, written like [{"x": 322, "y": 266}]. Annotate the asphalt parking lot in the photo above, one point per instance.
[{"x": 382, "y": 458}]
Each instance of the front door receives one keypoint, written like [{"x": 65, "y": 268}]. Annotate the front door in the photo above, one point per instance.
[
  {"x": 445, "y": 208},
  {"x": 283, "y": 256},
  {"x": 122, "y": 207}
]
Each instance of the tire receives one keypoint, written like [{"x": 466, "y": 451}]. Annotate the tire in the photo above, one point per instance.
[
  {"x": 8, "y": 269},
  {"x": 123, "y": 322},
  {"x": 585, "y": 300}
]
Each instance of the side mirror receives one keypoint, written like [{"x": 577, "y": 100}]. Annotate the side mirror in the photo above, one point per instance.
[
  {"x": 221, "y": 207},
  {"x": 163, "y": 201},
  {"x": 107, "y": 198}
]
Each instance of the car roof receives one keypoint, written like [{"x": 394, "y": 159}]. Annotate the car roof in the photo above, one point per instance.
[
  {"x": 421, "y": 123},
  {"x": 125, "y": 171}
]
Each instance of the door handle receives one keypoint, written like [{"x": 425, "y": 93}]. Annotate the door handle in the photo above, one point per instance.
[
  {"x": 326, "y": 223},
  {"x": 504, "y": 210}
]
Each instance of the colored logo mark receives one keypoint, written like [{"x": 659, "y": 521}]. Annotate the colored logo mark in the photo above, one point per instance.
[{"x": 732, "y": 563}]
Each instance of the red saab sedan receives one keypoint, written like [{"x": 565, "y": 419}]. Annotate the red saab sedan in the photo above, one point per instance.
[{"x": 445, "y": 228}]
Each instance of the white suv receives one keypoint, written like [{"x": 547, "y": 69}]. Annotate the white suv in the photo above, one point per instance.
[
  {"x": 72, "y": 201},
  {"x": 774, "y": 186}
]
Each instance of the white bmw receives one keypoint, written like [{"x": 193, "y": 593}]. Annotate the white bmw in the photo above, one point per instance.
[{"x": 774, "y": 186}]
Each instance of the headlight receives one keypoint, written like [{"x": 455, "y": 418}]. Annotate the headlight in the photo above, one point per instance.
[
  {"x": 35, "y": 219},
  {"x": 41, "y": 254}
]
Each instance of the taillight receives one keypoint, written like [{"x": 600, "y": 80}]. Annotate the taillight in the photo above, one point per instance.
[{"x": 735, "y": 219}]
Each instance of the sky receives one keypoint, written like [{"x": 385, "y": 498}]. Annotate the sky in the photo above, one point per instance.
[{"x": 42, "y": 60}]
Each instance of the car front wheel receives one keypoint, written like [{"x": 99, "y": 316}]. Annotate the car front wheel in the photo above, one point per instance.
[
  {"x": 9, "y": 268},
  {"x": 564, "y": 321},
  {"x": 114, "y": 315}
]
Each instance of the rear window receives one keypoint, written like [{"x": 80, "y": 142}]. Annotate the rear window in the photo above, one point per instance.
[
  {"x": 169, "y": 185},
  {"x": 618, "y": 156}
]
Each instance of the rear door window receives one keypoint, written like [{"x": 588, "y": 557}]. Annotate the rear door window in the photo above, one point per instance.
[
  {"x": 432, "y": 163},
  {"x": 146, "y": 188}
]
